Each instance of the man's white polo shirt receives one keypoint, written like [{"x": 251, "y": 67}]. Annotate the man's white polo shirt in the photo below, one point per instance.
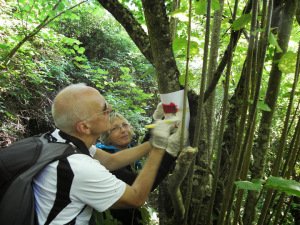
[{"x": 67, "y": 190}]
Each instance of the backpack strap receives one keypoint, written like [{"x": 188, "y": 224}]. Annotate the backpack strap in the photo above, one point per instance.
[
  {"x": 75, "y": 141},
  {"x": 50, "y": 142}
]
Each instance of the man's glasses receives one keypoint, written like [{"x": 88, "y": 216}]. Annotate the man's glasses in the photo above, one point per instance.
[
  {"x": 118, "y": 128},
  {"x": 106, "y": 110}
]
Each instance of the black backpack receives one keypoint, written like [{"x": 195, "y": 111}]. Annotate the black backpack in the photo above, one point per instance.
[{"x": 19, "y": 163}]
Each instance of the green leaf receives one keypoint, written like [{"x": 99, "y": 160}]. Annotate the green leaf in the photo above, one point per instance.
[
  {"x": 79, "y": 59},
  {"x": 81, "y": 50},
  {"x": 194, "y": 48},
  {"x": 200, "y": 7},
  {"x": 76, "y": 47},
  {"x": 241, "y": 22},
  {"x": 146, "y": 216},
  {"x": 263, "y": 106},
  {"x": 287, "y": 63},
  {"x": 215, "y": 5},
  {"x": 290, "y": 187},
  {"x": 273, "y": 41},
  {"x": 179, "y": 43},
  {"x": 101, "y": 71},
  {"x": 61, "y": 6},
  {"x": 4, "y": 46},
  {"x": 256, "y": 185}
]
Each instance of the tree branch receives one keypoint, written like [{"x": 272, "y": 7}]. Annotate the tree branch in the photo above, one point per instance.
[
  {"x": 37, "y": 29},
  {"x": 236, "y": 35},
  {"x": 175, "y": 180},
  {"x": 133, "y": 28}
]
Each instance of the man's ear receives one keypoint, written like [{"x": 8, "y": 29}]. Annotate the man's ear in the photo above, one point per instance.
[{"x": 82, "y": 127}]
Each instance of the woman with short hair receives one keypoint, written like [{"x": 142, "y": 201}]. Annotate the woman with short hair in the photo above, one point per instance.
[{"x": 118, "y": 138}]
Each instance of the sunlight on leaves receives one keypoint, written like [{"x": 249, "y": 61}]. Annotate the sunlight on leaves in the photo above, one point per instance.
[{"x": 180, "y": 14}]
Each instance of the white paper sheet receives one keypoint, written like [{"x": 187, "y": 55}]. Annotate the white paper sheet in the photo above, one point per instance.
[{"x": 174, "y": 100}]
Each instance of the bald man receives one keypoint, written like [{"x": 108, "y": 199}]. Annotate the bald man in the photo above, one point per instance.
[{"x": 67, "y": 190}]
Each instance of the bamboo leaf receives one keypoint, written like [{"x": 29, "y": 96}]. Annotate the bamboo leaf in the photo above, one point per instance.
[
  {"x": 263, "y": 106},
  {"x": 256, "y": 185},
  {"x": 273, "y": 41},
  {"x": 290, "y": 187}
]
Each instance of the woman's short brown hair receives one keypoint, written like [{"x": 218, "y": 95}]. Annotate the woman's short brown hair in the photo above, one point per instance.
[{"x": 104, "y": 138}]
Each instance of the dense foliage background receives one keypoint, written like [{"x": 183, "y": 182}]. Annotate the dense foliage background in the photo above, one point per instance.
[{"x": 85, "y": 45}]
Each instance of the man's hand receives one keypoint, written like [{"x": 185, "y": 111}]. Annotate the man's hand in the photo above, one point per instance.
[
  {"x": 173, "y": 147},
  {"x": 161, "y": 132}
]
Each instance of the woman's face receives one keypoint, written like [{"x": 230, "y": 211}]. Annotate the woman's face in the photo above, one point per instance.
[{"x": 120, "y": 133}]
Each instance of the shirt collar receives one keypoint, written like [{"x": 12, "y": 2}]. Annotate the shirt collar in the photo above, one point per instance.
[{"x": 66, "y": 138}]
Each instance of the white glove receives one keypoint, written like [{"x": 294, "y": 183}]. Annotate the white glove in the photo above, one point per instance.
[
  {"x": 159, "y": 112},
  {"x": 161, "y": 132},
  {"x": 173, "y": 147}
]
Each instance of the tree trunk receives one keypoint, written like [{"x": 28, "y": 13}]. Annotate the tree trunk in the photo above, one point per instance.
[
  {"x": 161, "y": 45},
  {"x": 260, "y": 149}
]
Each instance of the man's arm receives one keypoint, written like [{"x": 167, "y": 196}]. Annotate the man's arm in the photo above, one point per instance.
[
  {"x": 136, "y": 194},
  {"x": 122, "y": 158},
  {"x": 166, "y": 165}
]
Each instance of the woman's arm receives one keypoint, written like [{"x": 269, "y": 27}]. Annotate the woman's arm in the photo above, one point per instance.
[{"x": 122, "y": 158}]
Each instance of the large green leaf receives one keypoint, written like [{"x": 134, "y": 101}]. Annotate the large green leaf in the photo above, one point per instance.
[
  {"x": 81, "y": 50},
  {"x": 255, "y": 185},
  {"x": 273, "y": 41},
  {"x": 287, "y": 63},
  {"x": 263, "y": 106},
  {"x": 290, "y": 187},
  {"x": 215, "y": 4},
  {"x": 241, "y": 22},
  {"x": 181, "y": 44},
  {"x": 201, "y": 6}
]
